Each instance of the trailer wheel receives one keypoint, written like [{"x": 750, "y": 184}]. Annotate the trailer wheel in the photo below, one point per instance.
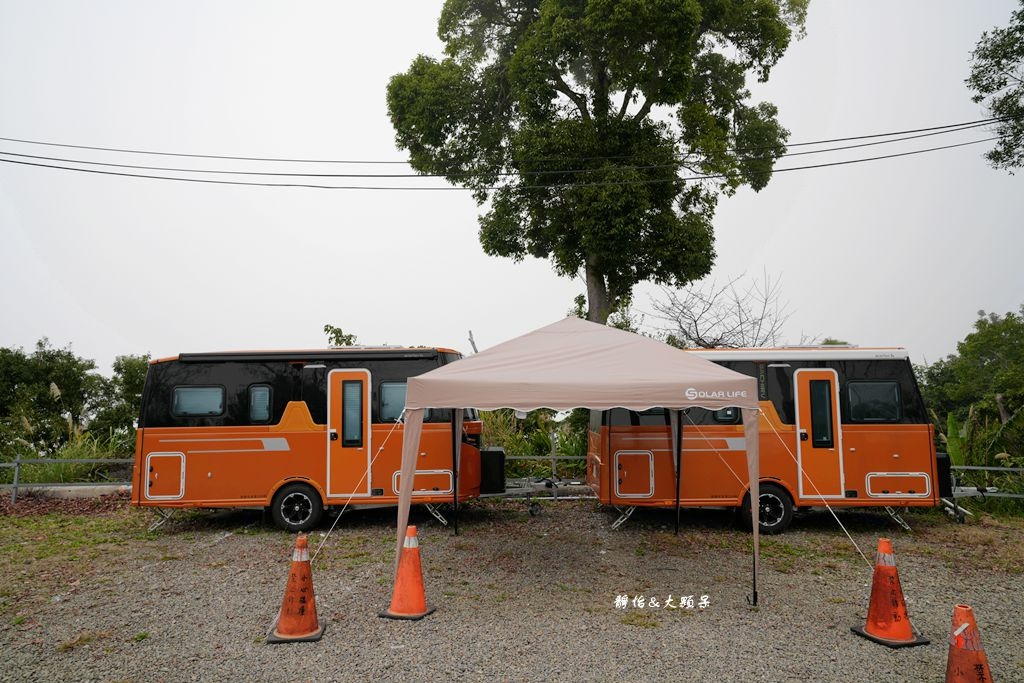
[
  {"x": 775, "y": 511},
  {"x": 297, "y": 507}
]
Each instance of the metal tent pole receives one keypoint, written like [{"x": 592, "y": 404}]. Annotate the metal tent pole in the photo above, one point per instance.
[
  {"x": 456, "y": 443},
  {"x": 679, "y": 461}
]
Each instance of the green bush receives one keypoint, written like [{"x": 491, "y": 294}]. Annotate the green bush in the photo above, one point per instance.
[
  {"x": 79, "y": 447},
  {"x": 532, "y": 437}
]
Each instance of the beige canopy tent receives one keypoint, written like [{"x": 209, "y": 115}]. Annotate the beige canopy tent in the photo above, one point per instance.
[{"x": 578, "y": 364}]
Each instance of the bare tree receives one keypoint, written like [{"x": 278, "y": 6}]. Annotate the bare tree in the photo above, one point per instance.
[{"x": 744, "y": 312}]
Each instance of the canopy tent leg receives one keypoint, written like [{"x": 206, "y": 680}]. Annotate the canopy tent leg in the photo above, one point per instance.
[
  {"x": 456, "y": 447},
  {"x": 677, "y": 454},
  {"x": 750, "y": 435},
  {"x": 752, "y": 599}
]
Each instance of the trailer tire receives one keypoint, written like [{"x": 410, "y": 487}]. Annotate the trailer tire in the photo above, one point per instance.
[
  {"x": 297, "y": 507},
  {"x": 775, "y": 512}
]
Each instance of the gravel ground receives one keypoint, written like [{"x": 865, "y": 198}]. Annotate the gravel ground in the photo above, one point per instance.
[{"x": 517, "y": 597}]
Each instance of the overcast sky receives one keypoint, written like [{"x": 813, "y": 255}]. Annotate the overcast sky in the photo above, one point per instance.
[{"x": 895, "y": 252}]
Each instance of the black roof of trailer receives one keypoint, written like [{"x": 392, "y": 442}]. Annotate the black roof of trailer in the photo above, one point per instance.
[{"x": 311, "y": 355}]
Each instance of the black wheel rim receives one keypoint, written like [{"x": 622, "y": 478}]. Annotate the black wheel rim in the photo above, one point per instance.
[
  {"x": 772, "y": 510},
  {"x": 296, "y": 508}
]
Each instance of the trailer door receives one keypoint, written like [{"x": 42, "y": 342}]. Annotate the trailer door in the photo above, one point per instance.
[
  {"x": 819, "y": 436},
  {"x": 165, "y": 476},
  {"x": 348, "y": 433}
]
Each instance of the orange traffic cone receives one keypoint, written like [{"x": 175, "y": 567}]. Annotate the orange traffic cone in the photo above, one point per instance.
[
  {"x": 297, "y": 619},
  {"x": 409, "y": 600},
  {"x": 888, "y": 622},
  {"x": 966, "y": 662}
]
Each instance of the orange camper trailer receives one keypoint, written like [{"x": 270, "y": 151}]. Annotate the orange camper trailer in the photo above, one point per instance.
[
  {"x": 295, "y": 432},
  {"x": 839, "y": 425}
]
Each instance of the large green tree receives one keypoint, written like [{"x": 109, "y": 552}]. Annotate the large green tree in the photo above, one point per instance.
[
  {"x": 997, "y": 79},
  {"x": 118, "y": 408},
  {"x": 982, "y": 387},
  {"x": 580, "y": 124},
  {"x": 52, "y": 396},
  {"x": 988, "y": 369},
  {"x": 46, "y": 397}
]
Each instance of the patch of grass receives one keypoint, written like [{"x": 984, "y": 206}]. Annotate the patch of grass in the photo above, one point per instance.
[
  {"x": 48, "y": 548},
  {"x": 640, "y": 620},
  {"x": 771, "y": 547},
  {"x": 356, "y": 553},
  {"x": 139, "y": 637},
  {"x": 43, "y": 536},
  {"x": 83, "y": 638},
  {"x": 786, "y": 565},
  {"x": 19, "y": 620},
  {"x": 987, "y": 543}
]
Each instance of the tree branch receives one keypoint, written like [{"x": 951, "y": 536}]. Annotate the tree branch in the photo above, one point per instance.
[
  {"x": 713, "y": 315},
  {"x": 644, "y": 110},
  {"x": 625, "y": 102},
  {"x": 1010, "y": 75},
  {"x": 579, "y": 100}
]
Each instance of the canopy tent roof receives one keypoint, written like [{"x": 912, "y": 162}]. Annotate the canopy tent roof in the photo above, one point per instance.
[{"x": 578, "y": 364}]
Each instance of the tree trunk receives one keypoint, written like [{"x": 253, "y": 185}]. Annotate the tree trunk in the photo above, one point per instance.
[
  {"x": 599, "y": 305},
  {"x": 1004, "y": 414}
]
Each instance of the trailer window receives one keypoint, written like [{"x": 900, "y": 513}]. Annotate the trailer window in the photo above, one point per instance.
[
  {"x": 652, "y": 417},
  {"x": 259, "y": 403},
  {"x": 729, "y": 415},
  {"x": 874, "y": 401},
  {"x": 392, "y": 401},
  {"x": 197, "y": 401},
  {"x": 352, "y": 413},
  {"x": 821, "y": 413}
]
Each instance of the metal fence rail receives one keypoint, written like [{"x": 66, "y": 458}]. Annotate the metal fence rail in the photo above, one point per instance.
[
  {"x": 553, "y": 459},
  {"x": 19, "y": 462},
  {"x": 980, "y": 491}
]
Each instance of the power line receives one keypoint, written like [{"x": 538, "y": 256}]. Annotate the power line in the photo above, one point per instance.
[
  {"x": 449, "y": 188},
  {"x": 979, "y": 122},
  {"x": 370, "y": 161},
  {"x": 453, "y": 174}
]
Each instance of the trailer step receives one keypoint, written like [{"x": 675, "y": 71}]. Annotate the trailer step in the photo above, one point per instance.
[
  {"x": 163, "y": 515},
  {"x": 896, "y": 516},
  {"x": 623, "y": 516},
  {"x": 437, "y": 513}
]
